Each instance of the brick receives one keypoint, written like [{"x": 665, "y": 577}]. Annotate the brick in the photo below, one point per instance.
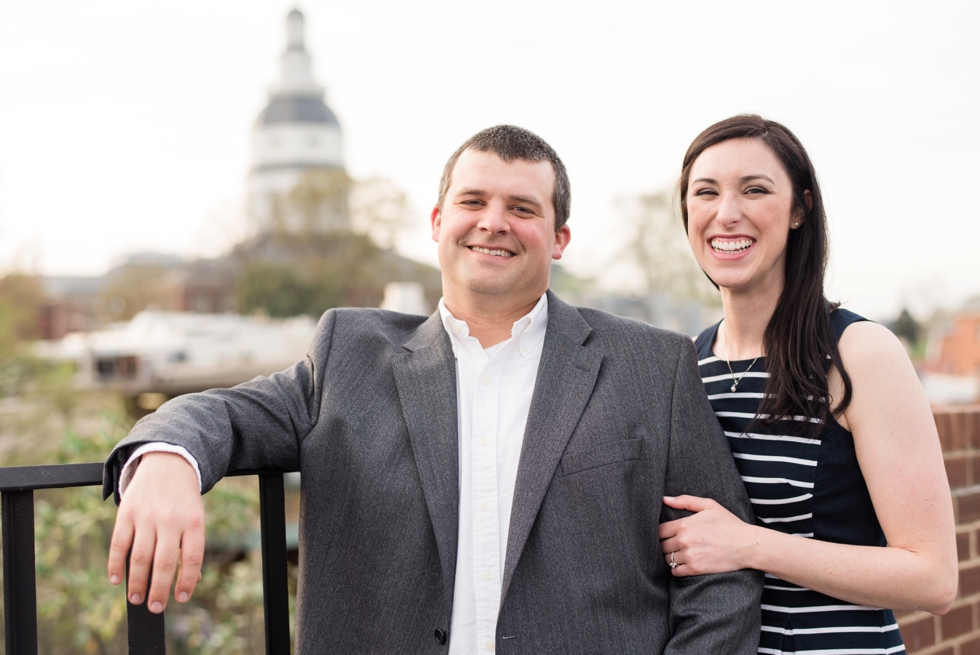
[
  {"x": 964, "y": 425},
  {"x": 952, "y": 427},
  {"x": 972, "y": 468},
  {"x": 944, "y": 430},
  {"x": 969, "y": 581},
  {"x": 971, "y": 647},
  {"x": 956, "y": 471},
  {"x": 963, "y": 546},
  {"x": 952, "y": 434},
  {"x": 919, "y": 634},
  {"x": 960, "y": 437},
  {"x": 958, "y": 621},
  {"x": 973, "y": 428},
  {"x": 957, "y": 435},
  {"x": 968, "y": 508}
]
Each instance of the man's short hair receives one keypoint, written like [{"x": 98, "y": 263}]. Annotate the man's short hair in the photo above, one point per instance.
[{"x": 509, "y": 143}]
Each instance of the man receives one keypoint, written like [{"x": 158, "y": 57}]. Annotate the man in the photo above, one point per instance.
[{"x": 487, "y": 479}]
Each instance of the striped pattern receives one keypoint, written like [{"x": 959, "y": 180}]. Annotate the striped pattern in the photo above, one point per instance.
[{"x": 780, "y": 472}]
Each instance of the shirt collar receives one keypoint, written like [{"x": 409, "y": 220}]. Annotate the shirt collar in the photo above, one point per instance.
[{"x": 528, "y": 331}]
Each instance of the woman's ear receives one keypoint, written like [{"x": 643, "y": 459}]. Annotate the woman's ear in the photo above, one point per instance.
[{"x": 808, "y": 200}]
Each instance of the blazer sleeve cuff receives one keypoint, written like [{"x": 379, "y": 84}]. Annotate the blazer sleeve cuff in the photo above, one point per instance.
[{"x": 129, "y": 468}]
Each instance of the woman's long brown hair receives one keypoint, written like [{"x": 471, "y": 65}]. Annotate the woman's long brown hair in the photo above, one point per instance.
[{"x": 799, "y": 338}]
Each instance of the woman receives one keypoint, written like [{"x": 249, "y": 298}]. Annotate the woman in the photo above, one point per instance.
[{"x": 828, "y": 424}]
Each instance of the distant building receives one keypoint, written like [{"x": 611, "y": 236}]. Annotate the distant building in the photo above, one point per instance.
[
  {"x": 159, "y": 354},
  {"x": 203, "y": 286},
  {"x": 296, "y": 133},
  {"x": 950, "y": 371},
  {"x": 405, "y": 297},
  {"x": 955, "y": 344},
  {"x": 71, "y": 304},
  {"x": 83, "y": 303}
]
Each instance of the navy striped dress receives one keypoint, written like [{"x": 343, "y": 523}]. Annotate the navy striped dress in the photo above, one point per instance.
[{"x": 809, "y": 487}]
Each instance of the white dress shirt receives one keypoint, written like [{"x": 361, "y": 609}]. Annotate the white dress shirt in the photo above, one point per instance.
[{"x": 493, "y": 395}]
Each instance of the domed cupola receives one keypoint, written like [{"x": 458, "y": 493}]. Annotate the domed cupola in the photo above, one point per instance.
[{"x": 295, "y": 132}]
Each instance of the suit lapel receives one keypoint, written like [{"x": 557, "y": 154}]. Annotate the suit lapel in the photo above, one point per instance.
[
  {"x": 426, "y": 380},
  {"x": 566, "y": 377}
]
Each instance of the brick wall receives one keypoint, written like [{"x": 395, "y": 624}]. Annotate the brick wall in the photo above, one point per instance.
[{"x": 958, "y": 632}]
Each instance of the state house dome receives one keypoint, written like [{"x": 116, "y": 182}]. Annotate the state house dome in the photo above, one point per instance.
[
  {"x": 297, "y": 109},
  {"x": 296, "y": 132}
]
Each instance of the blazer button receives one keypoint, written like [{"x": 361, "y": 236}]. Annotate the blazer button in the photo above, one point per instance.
[{"x": 440, "y": 636}]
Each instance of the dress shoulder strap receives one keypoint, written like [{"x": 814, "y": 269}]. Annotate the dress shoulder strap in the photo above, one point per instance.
[
  {"x": 705, "y": 339},
  {"x": 841, "y": 318}
]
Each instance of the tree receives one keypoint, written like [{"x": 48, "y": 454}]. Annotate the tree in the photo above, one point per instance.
[
  {"x": 279, "y": 291},
  {"x": 133, "y": 288},
  {"x": 910, "y": 332},
  {"x": 21, "y": 298},
  {"x": 21, "y": 372},
  {"x": 313, "y": 261},
  {"x": 658, "y": 250},
  {"x": 318, "y": 204},
  {"x": 380, "y": 210},
  {"x": 907, "y": 327}
]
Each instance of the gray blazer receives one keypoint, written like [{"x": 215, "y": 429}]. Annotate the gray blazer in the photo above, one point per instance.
[{"x": 618, "y": 419}]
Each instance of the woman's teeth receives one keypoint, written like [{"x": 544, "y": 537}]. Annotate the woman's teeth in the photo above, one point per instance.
[{"x": 731, "y": 246}]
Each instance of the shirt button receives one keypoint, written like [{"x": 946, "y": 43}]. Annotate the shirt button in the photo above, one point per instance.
[
  {"x": 487, "y": 379},
  {"x": 524, "y": 349},
  {"x": 484, "y": 441},
  {"x": 484, "y": 507},
  {"x": 487, "y": 575},
  {"x": 489, "y": 645}
]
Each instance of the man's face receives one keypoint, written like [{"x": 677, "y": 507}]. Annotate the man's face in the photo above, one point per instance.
[{"x": 496, "y": 230}]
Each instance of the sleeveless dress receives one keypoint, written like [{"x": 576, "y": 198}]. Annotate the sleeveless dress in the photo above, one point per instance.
[{"x": 809, "y": 487}]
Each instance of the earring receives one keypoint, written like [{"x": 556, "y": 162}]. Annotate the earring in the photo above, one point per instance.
[{"x": 796, "y": 224}]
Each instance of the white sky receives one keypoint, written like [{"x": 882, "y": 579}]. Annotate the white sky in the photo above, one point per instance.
[{"x": 125, "y": 125}]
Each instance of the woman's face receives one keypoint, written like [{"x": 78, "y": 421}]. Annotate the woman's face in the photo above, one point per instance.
[{"x": 740, "y": 212}]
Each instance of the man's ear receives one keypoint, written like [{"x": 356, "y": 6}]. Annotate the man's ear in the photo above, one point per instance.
[
  {"x": 436, "y": 221},
  {"x": 562, "y": 237}
]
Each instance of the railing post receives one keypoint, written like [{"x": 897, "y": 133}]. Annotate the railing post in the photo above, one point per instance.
[
  {"x": 272, "y": 509},
  {"x": 146, "y": 630},
  {"x": 19, "y": 590}
]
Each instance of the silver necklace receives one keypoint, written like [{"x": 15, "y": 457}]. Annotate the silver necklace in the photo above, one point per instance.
[{"x": 736, "y": 380}]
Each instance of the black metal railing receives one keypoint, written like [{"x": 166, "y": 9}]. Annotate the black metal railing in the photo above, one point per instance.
[{"x": 146, "y": 630}]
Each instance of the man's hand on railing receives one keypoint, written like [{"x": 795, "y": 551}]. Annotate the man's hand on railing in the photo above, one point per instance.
[{"x": 161, "y": 520}]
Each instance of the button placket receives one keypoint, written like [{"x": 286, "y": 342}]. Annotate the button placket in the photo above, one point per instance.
[
  {"x": 486, "y": 519},
  {"x": 511, "y": 380}
]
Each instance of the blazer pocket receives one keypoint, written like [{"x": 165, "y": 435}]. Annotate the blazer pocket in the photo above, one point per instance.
[{"x": 601, "y": 455}]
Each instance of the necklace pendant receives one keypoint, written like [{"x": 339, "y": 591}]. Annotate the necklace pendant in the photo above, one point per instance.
[{"x": 734, "y": 386}]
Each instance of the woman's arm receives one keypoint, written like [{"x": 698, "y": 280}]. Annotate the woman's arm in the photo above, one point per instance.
[{"x": 901, "y": 460}]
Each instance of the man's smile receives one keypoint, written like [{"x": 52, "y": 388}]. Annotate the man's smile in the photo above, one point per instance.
[{"x": 496, "y": 252}]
